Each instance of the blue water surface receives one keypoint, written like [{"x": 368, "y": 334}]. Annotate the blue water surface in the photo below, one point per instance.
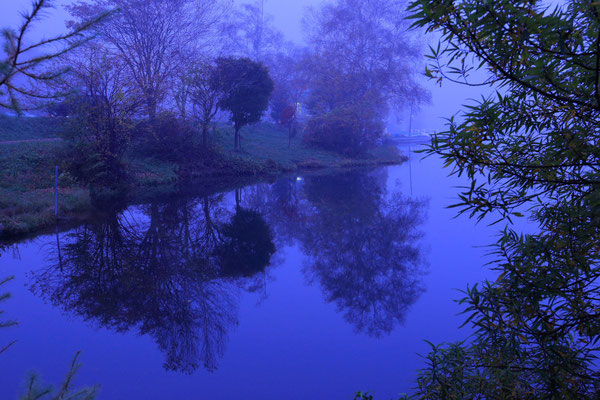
[{"x": 314, "y": 286}]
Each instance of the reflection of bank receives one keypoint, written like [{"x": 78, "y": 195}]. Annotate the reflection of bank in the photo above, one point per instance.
[
  {"x": 171, "y": 270},
  {"x": 362, "y": 242}
]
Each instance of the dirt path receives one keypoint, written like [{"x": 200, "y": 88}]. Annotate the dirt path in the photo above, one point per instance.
[{"x": 31, "y": 141}]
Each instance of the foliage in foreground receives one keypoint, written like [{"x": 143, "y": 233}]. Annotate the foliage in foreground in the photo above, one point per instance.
[
  {"x": 22, "y": 62},
  {"x": 533, "y": 147},
  {"x": 5, "y": 324},
  {"x": 35, "y": 390}
]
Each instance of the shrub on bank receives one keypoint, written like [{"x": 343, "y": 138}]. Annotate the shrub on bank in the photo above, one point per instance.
[
  {"x": 349, "y": 130},
  {"x": 169, "y": 138}
]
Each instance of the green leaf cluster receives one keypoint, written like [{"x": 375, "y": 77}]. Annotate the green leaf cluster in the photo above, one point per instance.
[{"x": 533, "y": 148}]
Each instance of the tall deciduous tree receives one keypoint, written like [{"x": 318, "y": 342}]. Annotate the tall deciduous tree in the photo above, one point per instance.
[
  {"x": 534, "y": 146},
  {"x": 361, "y": 61},
  {"x": 359, "y": 48},
  {"x": 205, "y": 96},
  {"x": 246, "y": 88},
  {"x": 290, "y": 80},
  {"x": 197, "y": 94},
  {"x": 105, "y": 102},
  {"x": 154, "y": 37},
  {"x": 250, "y": 33}
]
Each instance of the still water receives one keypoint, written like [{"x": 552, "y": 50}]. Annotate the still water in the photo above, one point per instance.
[{"x": 315, "y": 286}]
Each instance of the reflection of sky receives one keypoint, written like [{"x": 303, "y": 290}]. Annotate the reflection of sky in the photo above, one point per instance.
[{"x": 281, "y": 343}]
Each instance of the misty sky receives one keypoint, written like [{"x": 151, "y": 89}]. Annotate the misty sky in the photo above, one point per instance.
[
  {"x": 287, "y": 17},
  {"x": 288, "y": 14}
]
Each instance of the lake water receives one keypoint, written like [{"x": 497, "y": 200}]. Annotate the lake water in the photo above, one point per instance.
[{"x": 316, "y": 286}]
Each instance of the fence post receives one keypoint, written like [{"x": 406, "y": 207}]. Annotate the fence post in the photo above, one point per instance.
[{"x": 56, "y": 192}]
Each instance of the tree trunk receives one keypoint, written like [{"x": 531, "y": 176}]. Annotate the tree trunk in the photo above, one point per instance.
[
  {"x": 238, "y": 198},
  {"x": 151, "y": 109},
  {"x": 204, "y": 135},
  {"x": 236, "y": 139}
]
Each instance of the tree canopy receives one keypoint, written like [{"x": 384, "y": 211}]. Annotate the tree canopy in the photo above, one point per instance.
[
  {"x": 246, "y": 88},
  {"x": 153, "y": 37},
  {"x": 250, "y": 33},
  {"x": 531, "y": 148},
  {"x": 360, "y": 67}
]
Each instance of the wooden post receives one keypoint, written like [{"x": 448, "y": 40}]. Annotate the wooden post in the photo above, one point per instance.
[{"x": 56, "y": 192}]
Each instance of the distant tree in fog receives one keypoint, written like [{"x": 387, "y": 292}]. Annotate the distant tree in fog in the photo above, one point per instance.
[
  {"x": 290, "y": 80},
  {"x": 250, "y": 33},
  {"x": 196, "y": 93},
  {"x": 154, "y": 37},
  {"x": 362, "y": 48},
  {"x": 288, "y": 120},
  {"x": 290, "y": 88},
  {"x": 246, "y": 88},
  {"x": 361, "y": 61}
]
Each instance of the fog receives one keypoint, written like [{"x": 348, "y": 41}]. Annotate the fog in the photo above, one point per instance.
[
  {"x": 267, "y": 193},
  {"x": 287, "y": 18}
]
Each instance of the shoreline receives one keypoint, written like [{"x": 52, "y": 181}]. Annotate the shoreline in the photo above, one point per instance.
[{"x": 27, "y": 187}]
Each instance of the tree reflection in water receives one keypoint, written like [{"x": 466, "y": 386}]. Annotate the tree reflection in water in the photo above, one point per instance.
[
  {"x": 364, "y": 250},
  {"x": 174, "y": 270},
  {"x": 362, "y": 242}
]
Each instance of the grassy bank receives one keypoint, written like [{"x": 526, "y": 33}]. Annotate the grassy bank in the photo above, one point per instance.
[
  {"x": 29, "y": 153},
  {"x": 26, "y": 187}
]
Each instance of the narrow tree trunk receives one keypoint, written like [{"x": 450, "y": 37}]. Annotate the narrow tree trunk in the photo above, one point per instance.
[
  {"x": 236, "y": 139},
  {"x": 204, "y": 135},
  {"x": 151, "y": 109}
]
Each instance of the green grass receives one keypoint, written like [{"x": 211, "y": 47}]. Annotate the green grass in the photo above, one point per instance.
[
  {"x": 27, "y": 169},
  {"x": 28, "y": 128},
  {"x": 151, "y": 172},
  {"x": 27, "y": 172},
  {"x": 267, "y": 143}
]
